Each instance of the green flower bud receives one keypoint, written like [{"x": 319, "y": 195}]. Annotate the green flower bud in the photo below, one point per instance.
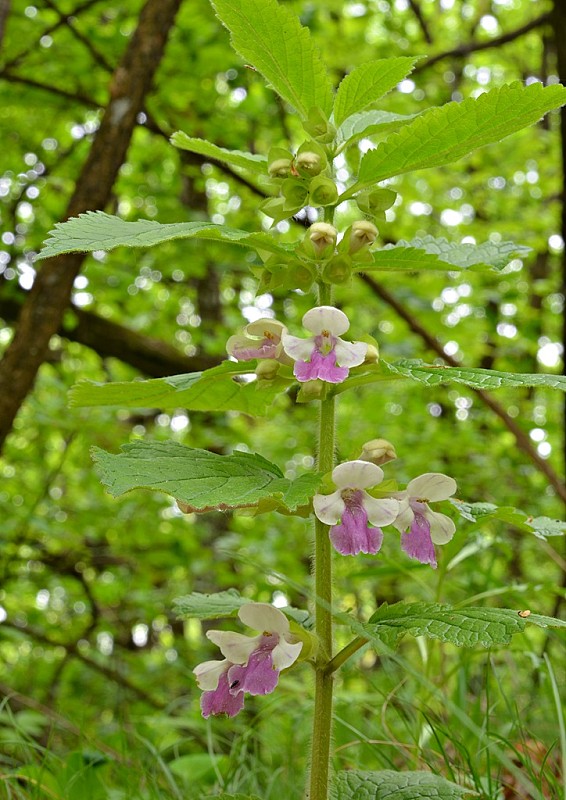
[
  {"x": 372, "y": 355},
  {"x": 319, "y": 127},
  {"x": 295, "y": 193},
  {"x": 309, "y": 640},
  {"x": 322, "y": 191},
  {"x": 300, "y": 276},
  {"x": 376, "y": 201},
  {"x": 310, "y": 390},
  {"x": 337, "y": 270},
  {"x": 310, "y": 159},
  {"x": 363, "y": 234},
  {"x": 279, "y": 162},
  {"x": 378, "y": 451},
  {"x": 267, "y": 369},
  {"x": 320, "y": 240}
]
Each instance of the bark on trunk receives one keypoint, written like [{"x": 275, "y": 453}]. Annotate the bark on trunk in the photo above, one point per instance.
[{"x": 43, "y": 310}]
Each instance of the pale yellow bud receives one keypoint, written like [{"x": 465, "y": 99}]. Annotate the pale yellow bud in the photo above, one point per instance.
[
  {"x": 378, "y": 451},
  {"x": 363, "y": 233},
  {"x": 267, "y": 369},
  {"x": 372, "y": 354},
  {"x": 322, "y": 236}
]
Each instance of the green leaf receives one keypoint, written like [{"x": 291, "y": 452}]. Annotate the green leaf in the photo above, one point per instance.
[
  {"x": 233, "y": 797},
  {"x": 215, "y": 389},
  {"x": 368, "y": 123},
  {"x": 368, "y": 83},
  {"x": 479, "y": 513},
  {"x": 357, "y": 784},
  {"x": 235, "y": 158},
  {"x": 271, "y": 38},
  {"x": 429, "y": 252},
  {"x": 96, "y": 230},
  {"x": 201, "y": 480},
  {"x": 452, "y": 131},
  {"x": 470, "y": 376},
  {"x": 209, "y": 606},
  {"x": 196, "y": 768},
  {"x": 463, "y": 627}
]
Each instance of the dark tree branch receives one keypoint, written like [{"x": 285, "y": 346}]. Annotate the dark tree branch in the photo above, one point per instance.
[
  {"x": 73, "y": 650},
  {"x": 417, "y": 11},
  {"x": 67, "y": 21},
  {"x": 523, "y": 441},
  {"x": 75, "y": 97},
  {"x": 152, "y": 357},
  {"x": 44, "y": 308},
  {"x": 475, "y": 47}
]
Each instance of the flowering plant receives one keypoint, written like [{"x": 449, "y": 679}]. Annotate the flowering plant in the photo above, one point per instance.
[{"x": 350, "y": 503}]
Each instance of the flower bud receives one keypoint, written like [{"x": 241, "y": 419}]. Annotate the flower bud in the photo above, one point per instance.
[
  {"x": 378, "y": 451},
  {"x": 274, "y": 207},
  {"x": 311, "y": 390},
  {"x": 319, "y": 127},
  {"x": 372, "y": 354},
  {"x": 279, "y": 162},
  {"x": 376, "y": 202},
  {"x": 322, "y": 239},
  {"x": 310, "y": 159},
  {"x": 267, "y": 369},
  {"x": 337, "y": 270},
  {"x": 299, "y": 276},
  {"x": 295, "y": 193},
  {"x": 322, "y": 191},
  {"x": 363, "y": 234}
]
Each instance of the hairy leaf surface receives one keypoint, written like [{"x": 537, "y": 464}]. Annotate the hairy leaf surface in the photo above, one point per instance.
[
  {"x": 450, "y": 132},
  {"x": 235, "y": 158},
  {"x": 368, "y": 83},
  {"x": 271, "y": 38},
  {"x": 387, "y": 784},
  {"x": 201, "y": 480},
  {"x": 96, "y": 230},
  {"x": 216, "y": 389},
  {"x": 429, "y": 252}
]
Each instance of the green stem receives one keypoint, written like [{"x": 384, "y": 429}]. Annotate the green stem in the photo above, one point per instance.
[
  {"x": 322, "y": 722},
  {"x": 344, "y": 654}
]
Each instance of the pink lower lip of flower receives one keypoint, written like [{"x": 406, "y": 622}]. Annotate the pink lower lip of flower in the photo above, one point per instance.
[
  {"x": 417, "y": 541},
  {"x": 258, "y": 676},
  {"x": 222, "y": 700},
  {"x": 354, "y": 535},
  {"x": 320, "y": 366}
]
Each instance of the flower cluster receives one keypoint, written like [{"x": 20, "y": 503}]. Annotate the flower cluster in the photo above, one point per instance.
[
  {"x": 251, "y": 663},
  {"x": 324, "y": 355},
  {"x": 356, "y": 517}
]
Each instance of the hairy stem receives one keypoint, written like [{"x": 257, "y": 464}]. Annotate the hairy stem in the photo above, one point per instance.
[{"x": 322, "y": 723}]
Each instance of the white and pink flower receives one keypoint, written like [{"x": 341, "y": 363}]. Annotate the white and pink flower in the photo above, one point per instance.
[
  {"x": 421, "y": 527},
  {"x": 324, "y": 355},
  {"x": 260, "y": 339},
  {"x": 251, "y": 663},
  {"x": 354, "y": 509}
]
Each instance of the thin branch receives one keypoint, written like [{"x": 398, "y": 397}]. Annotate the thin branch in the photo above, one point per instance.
[
  {"x": 72, "y": 648},
  {"x": 67, "y": 21},
  {"x": 417, "y": 11},
  {"x": 4, "y": 13},
  {"x": 75, "y": 97},
  {"x": 522, "y": 439},
  {"x": 474, "y": 47}
]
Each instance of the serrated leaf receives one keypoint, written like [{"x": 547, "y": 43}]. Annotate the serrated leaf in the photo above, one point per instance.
[
  {"x": 271, "y": 38},
  {"x": 463, "y": 627},
  {"x": 431, "y": 375},
  {"x": 235, "y": 158},
  {"x": 216, "y": 389},
  {"x": 356, "y": 784},
  {"x": 201, "y": 480},
  {"x": 448, "y": 133},
  {"x": 429, "y": 252},
  {"x": 209, "y": 606},
  {"x": 368, "y": 123},
  {"x": 96, "y": 230},
  {"x": 368, "y": 83},
  {"x": 479, "y": 513}
]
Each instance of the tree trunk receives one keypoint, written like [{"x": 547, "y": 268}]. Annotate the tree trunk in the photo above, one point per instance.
[{"x": 44, "y": 308}]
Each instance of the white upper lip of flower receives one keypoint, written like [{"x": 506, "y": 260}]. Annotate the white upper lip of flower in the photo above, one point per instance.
[{"x": 355, "y": 475}]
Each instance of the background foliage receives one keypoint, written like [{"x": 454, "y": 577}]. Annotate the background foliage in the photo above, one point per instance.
[{"x": 95, "y": 668}]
